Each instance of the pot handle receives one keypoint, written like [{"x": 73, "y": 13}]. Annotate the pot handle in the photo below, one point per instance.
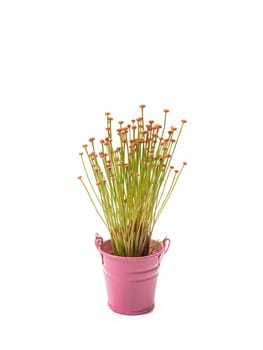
[
  {"x": 98, "y": 244},
  {"x": 166, "y": 244}
]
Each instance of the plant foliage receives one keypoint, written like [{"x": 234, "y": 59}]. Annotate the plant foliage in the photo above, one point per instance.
[{"x": 130, "y": 184}]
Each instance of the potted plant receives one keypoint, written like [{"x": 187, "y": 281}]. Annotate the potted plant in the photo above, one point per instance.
[{"x": 129, "y": 182}]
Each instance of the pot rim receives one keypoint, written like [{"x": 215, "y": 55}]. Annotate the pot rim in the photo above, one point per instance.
[{"x": 165, "y": 244}]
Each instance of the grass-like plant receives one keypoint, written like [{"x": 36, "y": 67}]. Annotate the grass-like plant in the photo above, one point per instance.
[{"x": 134, "y": 179}]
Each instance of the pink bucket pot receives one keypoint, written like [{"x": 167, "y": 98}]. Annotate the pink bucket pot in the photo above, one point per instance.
[{"x": 131, "y": 281}]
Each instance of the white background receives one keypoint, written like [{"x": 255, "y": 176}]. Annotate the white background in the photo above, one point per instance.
[{"x": 62, "y": 65}]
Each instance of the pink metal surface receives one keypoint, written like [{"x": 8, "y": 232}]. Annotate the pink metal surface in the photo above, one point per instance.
[{"x": 131, "y": 281}]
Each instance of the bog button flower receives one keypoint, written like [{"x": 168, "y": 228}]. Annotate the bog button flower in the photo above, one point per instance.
[{"x": 130, "y": 179}]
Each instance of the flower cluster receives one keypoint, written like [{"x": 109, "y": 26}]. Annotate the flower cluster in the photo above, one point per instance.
[{"x": 134, "y": 180}]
